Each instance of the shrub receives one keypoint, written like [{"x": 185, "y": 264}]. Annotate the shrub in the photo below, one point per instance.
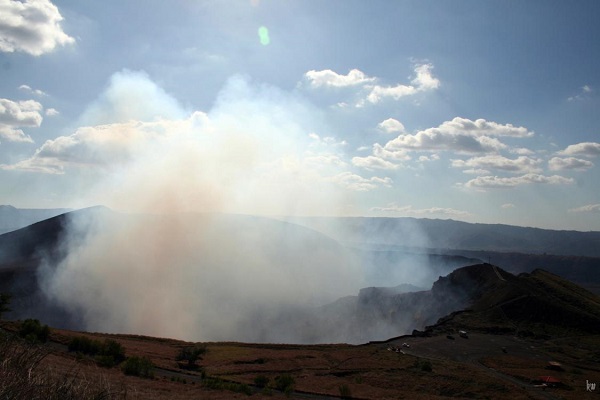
[
  {"x": 33, "y": 331},
  {"x": 138, "y": 366},
  {"x": 191, "y": 354},
  {"x": 112, "y": 348},
  {"x": 85, "y": 345},
  {"x": 424, "y": 365},
  {"x": 261, "y": 381},
  {"x": 285, "y": 383},
  {"x": 345, "y": 392},
  {"x": 107, "y": 354},
  {"x": 4, "y": 302}
]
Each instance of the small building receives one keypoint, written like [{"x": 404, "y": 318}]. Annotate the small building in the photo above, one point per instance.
[{"x": 550, "y": 381}]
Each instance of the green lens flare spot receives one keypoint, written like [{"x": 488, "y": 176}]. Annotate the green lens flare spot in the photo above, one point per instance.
[{"x": 263, "y": 35}]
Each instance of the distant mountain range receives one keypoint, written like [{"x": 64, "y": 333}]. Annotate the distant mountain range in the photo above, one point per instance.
[{"x": 435, "y": 235}]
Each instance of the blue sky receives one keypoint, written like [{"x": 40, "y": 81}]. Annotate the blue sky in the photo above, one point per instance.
[{"x": 475, "y": 111}]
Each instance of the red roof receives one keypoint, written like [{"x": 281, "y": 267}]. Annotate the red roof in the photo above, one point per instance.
[{"x": 548, "y": 379}]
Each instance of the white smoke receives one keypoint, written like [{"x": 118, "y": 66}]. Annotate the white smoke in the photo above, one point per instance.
[{"x": 183, "y": 269}]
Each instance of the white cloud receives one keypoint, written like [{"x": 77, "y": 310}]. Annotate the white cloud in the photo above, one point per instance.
[
  {"x": 461, "y": 135},
  {"x": 433, "y": 157},
  {"x": 99, "y": 146},
  {"x": 326, "y": 141},
  {"x": 17, "y": 114},
  {"x": 496, "y": 162},
  {"x": 378, "y": 93},
  {"x": 392, "y": 208},
  {"x": 559, "y": 164},
  {"x": 588, "y": 208},
  {"x": 586, "y": 149},
  {"x": 31, "y": 26},
  {"x": 476, "y": 171},
  {"x": 14, "y": 135},
  {"x": 396, "y": 154},
  {"x": 522, "y": 151},
  {"x": 506, "y": 206},
  {"x": 391, "y": 125},
  {"x": 498, "y": 182},
  {"x": 20, "y": 113},
  {"x": 52, "y": 112},
  {"x": 372, "y": 162},
  {"x": 584, "y": 93},
  {"x": 357, "y": 183},
  {"x": 330, "y": 78},
  {"x": 423, "y": 81},
  {"x": 29, "y": 90}
]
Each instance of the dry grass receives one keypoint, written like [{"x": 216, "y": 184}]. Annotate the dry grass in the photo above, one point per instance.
[{"x": 367, "y": 372}]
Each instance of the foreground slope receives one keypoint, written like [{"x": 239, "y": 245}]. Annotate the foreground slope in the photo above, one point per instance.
[{"x": 557, "y": 336}]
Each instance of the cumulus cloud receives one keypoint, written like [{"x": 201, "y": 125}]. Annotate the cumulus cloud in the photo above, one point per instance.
[
  {"x": 559, "y": 164},
  {"x": 586, "y": 149},
  {"x": 395, "y": 154},
  {"x": 330, "y": 78},
  {"x": 100, "y": 146},
  {"x": 497, "y": 162},
  {"x": 52, "y": 112},
  {"x": 379, "y": 93},
  {"x": 373, "y": 162},
  {"x": 408, "y": 210},
  {"x": 17, "y": 114},
  {"x": 588, "y": 208},
  {"x": 391, "y": 125},
  {"x": 31, "y": 26},
  {"x": 27, "y": 89},
  {"x": 423, "y": 81},
  {"x": 358, "y": 183},
  {"x": 461, "y": 135},
  {"x": 476, "y": 171},
  {"x": 433, "y": 157},
  {"x": 522, "y": 151},
  {"x": 494, "y": 182}
]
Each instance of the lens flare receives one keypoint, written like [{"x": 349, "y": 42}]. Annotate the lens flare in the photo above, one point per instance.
[{"x": 263, "y": 35}]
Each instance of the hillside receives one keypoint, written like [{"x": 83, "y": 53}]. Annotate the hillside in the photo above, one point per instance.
[
  {"x": 560, "y": 325},
  {"x": 12, "y": 218},
  {"x": 537, "y": 304}
]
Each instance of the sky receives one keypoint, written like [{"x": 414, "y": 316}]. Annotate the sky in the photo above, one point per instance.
[{"x": 476, "y": 111}]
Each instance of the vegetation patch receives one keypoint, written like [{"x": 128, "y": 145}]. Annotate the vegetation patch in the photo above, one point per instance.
[
  {"x": 34, "y": 332},
  {"x": 138, "y": 366},
  {"x": 191, "y": 355},
  {"x": 107, "y": 354},
  {"x": 210, "y": 382}
]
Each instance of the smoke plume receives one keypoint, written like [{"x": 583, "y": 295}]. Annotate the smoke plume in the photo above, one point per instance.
[{"x": 175, "y": 264}]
